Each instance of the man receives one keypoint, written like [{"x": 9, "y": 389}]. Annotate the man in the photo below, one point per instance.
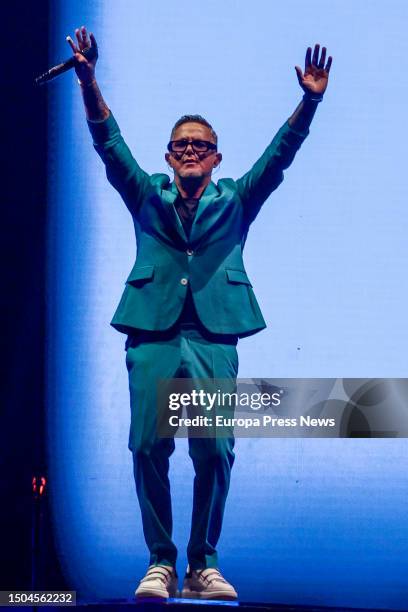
[{"x": 187, "y": 301}]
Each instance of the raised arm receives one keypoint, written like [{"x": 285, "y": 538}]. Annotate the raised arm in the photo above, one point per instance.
[
  {"x": 267, "y": 173},
  {"x": 122, "y": 170},
  {"x": 96, "y": 108},
  {"x": 314, "y": 83}
]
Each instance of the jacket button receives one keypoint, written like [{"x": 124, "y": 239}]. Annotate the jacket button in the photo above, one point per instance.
[
  {"x": 190, "y": 252},
  {"x": 184, "y": 281}
]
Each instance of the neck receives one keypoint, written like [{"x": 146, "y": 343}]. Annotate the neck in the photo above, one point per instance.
[{"x": 191, "y": 187}]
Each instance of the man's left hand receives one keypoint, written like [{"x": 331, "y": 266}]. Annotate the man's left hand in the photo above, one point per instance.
[{"x": 316, "y": 76}]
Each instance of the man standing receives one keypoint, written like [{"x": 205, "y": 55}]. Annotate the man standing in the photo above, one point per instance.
[{"x": 186, "y": 303}]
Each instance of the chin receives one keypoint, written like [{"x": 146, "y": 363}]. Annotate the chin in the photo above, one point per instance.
[{"x": 191, "y": 173}]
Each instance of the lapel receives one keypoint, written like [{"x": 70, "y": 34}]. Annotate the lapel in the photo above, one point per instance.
[
  {"x": 169, "y": 196},
  {"x": 208, "y": 195}
]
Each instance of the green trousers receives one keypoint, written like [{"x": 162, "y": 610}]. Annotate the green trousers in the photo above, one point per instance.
[{"x": 185, "y": 352}]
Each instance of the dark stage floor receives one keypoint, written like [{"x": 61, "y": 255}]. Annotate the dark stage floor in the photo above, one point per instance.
[{"x": 185, "y": 605}]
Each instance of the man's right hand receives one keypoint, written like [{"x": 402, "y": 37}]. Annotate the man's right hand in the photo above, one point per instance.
[{"x": 84, "y": 68}]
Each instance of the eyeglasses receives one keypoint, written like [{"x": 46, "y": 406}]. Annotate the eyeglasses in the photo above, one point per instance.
[{"x": 199, "y": 146}]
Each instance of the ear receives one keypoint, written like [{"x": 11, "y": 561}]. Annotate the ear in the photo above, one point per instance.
[
  {"x": 168, "y": 158},
  {"x": 217, "y": 159}
]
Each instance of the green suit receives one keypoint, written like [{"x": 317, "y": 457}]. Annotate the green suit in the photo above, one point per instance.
[
  {"x": 211, "y": 260},
  {"x": 160, "y": 345}
]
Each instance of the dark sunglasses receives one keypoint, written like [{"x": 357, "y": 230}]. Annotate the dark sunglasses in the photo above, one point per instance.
[{"x": 199, "y": 146}]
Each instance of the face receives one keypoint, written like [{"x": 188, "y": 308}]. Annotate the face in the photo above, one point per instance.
[{"x": 191, "y": 164}]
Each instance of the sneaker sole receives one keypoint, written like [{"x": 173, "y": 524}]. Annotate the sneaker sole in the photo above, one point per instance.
[
  {"x": 187, "y": 594},
  {"x": 155, "y": 594}
]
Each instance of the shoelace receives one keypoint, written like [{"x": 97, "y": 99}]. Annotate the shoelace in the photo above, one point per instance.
[{"x": 158, "y": 572}]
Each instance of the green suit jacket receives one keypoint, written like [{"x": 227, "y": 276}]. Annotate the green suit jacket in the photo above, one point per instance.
[{"x": 210, "y": 260}]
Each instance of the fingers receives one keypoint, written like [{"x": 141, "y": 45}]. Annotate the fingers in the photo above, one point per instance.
[
  {"x": 83, "y": 42},
  {"x": 314, "y": 61},
  {"x": 308, "y": 58},
  {"x": 72, "y": 45},
  {"x": 315, "y": 55},
  {"x": 322, "y": 58},
  {"x": 78, "y": 37},
  {"x": 93, "y": 41},
  {"x": 82, "y": 38},
  {"x": 299, "y": 74}
]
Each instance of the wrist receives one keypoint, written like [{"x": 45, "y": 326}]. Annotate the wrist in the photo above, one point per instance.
[
  {"x": 312, "y": 97},
  {"x": 86, "y": 83}
]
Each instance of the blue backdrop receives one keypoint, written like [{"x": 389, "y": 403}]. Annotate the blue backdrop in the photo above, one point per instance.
[{"x": 307, "y": 521}]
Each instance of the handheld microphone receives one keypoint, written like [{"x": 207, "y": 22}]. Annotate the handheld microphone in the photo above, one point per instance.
[{"x": 90, "y": 53}]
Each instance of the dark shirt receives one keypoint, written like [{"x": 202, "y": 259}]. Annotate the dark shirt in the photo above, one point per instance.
[{"x": 186, "y": 209}]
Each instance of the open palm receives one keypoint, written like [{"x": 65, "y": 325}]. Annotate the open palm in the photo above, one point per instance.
[{"x": 316, "y": 76}]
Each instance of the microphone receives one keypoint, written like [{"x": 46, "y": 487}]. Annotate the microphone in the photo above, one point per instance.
[{"x": 90, "y": 53}]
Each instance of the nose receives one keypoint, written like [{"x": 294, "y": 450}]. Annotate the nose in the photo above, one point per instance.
[
  {"x": 189, "y": 152},
  {"x": 190, "y": 145}
]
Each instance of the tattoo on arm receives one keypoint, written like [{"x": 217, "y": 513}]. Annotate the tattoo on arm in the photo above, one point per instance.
[{"x": 95, "y": 106}]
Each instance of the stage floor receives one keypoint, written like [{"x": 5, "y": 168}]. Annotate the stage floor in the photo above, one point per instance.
[{"x": 194, "y": 605}]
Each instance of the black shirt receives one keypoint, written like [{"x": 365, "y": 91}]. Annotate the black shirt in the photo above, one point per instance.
[{"x": 186, "y": 209}]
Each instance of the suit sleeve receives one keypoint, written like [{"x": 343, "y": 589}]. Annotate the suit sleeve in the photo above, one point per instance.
[
  {"x": 122, "y": 170},
  {"x": 267, "y": 173}
]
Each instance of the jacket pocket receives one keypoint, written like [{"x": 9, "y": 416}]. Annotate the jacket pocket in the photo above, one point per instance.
[
  {"x": 237, "y": 276},
  {"x": 140, "y": 275}
]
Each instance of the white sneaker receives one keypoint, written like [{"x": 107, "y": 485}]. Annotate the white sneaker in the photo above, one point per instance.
[
  {"x": 160, "y": 581},
  {"x": 207, "y": 583}
]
